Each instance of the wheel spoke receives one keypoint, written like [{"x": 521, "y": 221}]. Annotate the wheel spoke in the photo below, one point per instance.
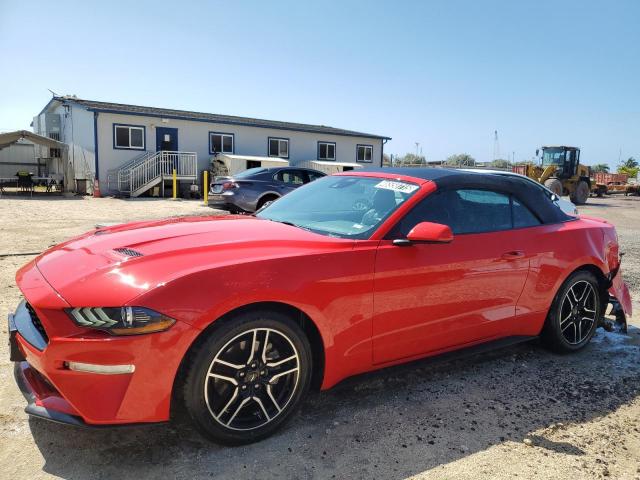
[
  {"x": 273, "y": 400},
  {"x": 571, "y": 294},
  {"x": 566, "y": 326},
  {"x": 264, "y": 410},
  {"x": 254, "y": 342},
  {"x": 242, "y": 404},
  {"x": 282, "y": 374},
  {"x": 229, "y": 403},
  {"x": 225, "y": 378},
  {"x": 229, "y": 364},
  {"x": 280, "y": 362},
  {"x": 264, "y": 347},
  {"x": 579, "y": 331}
]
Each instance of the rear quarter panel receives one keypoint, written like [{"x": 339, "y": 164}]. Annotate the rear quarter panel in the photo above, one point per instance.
[{"x": 556, "y": 252}]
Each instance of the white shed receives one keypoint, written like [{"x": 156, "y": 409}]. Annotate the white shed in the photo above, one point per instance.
[
  {"x": 330, "y": 167},
  {"x": 239, "y": 163}
]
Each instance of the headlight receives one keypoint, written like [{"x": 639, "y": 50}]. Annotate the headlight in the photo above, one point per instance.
[{"x": 121, "y": 320}]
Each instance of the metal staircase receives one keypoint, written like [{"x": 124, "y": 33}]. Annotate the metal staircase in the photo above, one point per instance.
[{"x": 152, "y": 168}]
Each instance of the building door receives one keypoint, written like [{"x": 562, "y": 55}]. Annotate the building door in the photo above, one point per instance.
[{"x": 166, "y": 139}]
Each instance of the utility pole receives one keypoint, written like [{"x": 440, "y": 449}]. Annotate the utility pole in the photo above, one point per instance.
[
  {"x": 417, "y": 146},
  {"x": 496, "y": 145}
]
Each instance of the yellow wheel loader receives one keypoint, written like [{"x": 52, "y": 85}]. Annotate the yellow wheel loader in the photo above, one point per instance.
[{"x": 561, "y": 172}]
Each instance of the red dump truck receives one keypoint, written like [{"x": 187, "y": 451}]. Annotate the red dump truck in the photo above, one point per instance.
[{"x": 612, "y": 183}]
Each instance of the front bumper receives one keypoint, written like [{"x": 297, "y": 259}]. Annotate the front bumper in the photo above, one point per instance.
[
  {"x": 55, "y": 392},
  {"x": 620, "y": 300},
  {"x": 34, "y": 390}
]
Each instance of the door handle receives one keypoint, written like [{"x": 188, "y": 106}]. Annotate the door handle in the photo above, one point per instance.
[{"x": 513, "y": 255}]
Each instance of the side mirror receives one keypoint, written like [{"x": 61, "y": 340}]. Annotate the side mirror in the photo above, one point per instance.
[
  {"x": 427, "y": 232},
  {"x": 537, "y": 152}
]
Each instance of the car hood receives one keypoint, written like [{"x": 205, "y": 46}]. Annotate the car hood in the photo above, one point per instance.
[{"x": 111, "y": 266}]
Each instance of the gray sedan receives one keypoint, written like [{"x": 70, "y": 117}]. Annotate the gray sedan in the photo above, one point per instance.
[{"x": 250, "y": 190}]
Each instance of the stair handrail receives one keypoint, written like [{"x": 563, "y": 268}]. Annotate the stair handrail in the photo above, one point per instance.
[{"x": 161, "y": 163}]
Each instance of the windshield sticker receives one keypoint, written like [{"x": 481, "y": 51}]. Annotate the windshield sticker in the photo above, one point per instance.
[{"x": 397, "y": 186}]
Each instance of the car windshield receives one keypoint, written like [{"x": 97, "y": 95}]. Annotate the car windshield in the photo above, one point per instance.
[
  {"x": 341, "y": 206},
  {"x": 552, "y": 156}
]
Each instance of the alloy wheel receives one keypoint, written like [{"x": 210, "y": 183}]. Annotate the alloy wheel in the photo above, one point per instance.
[
  {"x": 252, "y": 379},
  {"x": 578, "y": 312}
]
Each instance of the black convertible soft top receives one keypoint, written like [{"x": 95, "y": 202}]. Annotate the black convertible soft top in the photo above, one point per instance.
[{"x": 527, "y": 191}]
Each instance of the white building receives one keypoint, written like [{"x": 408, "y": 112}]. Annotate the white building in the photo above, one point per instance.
[{"x": 131, "y": 149}]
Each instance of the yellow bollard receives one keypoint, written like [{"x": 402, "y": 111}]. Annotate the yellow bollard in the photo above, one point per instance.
[
  {"x": 175, "y": 184},
  {"x": 205, "y": 187}
]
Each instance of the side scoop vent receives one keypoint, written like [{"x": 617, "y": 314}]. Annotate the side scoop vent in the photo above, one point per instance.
[{"x": 128, "y": 252}]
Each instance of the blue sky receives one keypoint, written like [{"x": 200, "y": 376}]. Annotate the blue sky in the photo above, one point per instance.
[{"x": 442, "y": 73}]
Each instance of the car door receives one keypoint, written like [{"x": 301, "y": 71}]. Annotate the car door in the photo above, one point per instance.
[{"x": 432, "y": 297}]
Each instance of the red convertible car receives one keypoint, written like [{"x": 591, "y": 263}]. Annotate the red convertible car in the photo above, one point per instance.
[{"x": 237, "y": 317}]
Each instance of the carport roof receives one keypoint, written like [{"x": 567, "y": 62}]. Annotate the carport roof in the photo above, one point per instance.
[
  {"x": 122, "y": 108},
  {"x": 9, "y": 138}
]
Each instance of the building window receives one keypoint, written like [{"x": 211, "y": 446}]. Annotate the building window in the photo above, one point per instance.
[
  {"x": 326, "y": 151},
  {"x": 128, "y": 137},
  {"x": 279, "y": 147},
  {"x": 364, "y": 153},
  {"x": 55, "y": 153},
  {"x": 221, "y": 142}
]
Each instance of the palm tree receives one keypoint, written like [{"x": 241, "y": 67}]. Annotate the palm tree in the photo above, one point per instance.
[
  {"x": 630, "y": 167},
  {"x": 601, "y": 168}
]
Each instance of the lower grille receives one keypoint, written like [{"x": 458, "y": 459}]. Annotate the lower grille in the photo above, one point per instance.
[{"x": 37, "y": 323}]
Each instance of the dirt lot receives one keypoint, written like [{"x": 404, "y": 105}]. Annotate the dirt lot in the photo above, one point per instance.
[{"x": 518, "y": 412}]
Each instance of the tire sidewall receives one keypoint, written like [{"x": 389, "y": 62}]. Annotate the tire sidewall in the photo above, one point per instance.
[{"x": 218, "y": 338}]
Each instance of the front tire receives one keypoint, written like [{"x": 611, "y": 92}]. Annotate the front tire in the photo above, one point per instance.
[
  {"x": 248, "y": 377},
  {"x": 554, "y": 185},
  {"x": 574, "y": 314},
  {"x": 581, "y": 192}
]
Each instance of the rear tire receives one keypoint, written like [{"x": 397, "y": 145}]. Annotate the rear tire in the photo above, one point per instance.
[
  {"x": 574, "y": 314},
  {"x": 554, "y": 185},
  {"x": 248, "y": 377},
  {"x": 264, "y": 201},
  {"x": 580, "y": 194}
]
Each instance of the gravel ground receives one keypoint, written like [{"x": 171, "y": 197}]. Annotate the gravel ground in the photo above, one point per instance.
[{"x": 516, "y": 412}]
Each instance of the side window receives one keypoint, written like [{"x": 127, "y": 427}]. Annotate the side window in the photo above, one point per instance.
[
  {"x": 436, "y": 208},
  {"x": 314, "y": 176},
  {"x": 482, "y": 211},
  {"x": 522, "y": 216},
  {"x": 466, "y": 211},
  {"x": 294, "y": 177}
]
